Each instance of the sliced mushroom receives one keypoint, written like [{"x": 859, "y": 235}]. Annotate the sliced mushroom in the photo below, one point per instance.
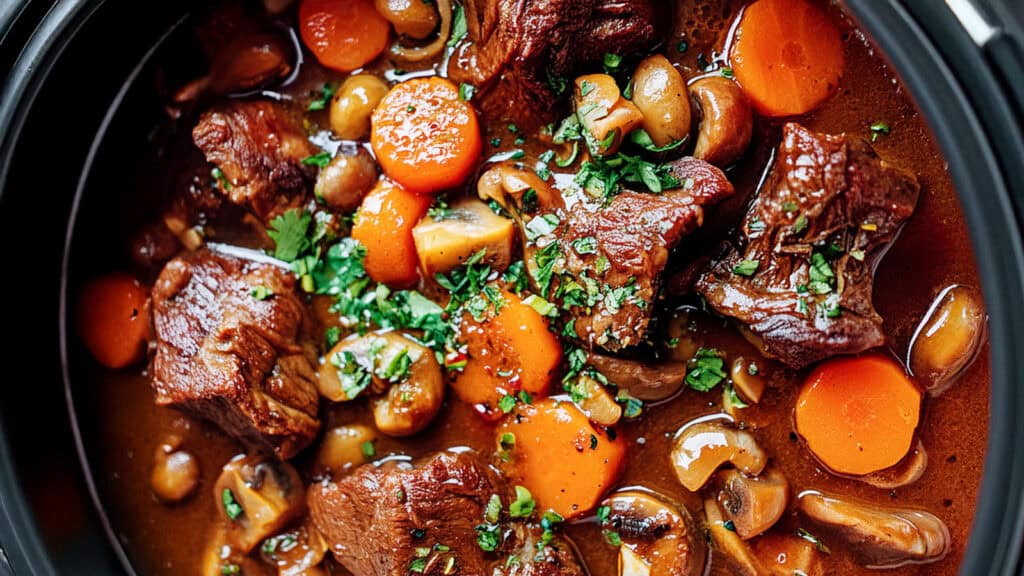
[
  {"x": 703, "y": 445},
  {"x": 257, "y": 496},
  {"x": 402, "y": 377},
  {"x": 683, "y": 334},
  {"x": 787, "y": 554},
  {"x": 650, "y": 382},
  {"x": 596, "y": 402},
  {"x": 908, "y": 471},
  {"x": 444, "y": 241},
  {"x": 728, "y": 544},
  {"x": 297, "y": 552},
  {"x": 753, "y": 503},
  {"x": 175, "y": 473},
  {"x": 606, "y": 116},
  {"x": 747, "y": 379},
  {"x": 882, "y": 537},
  {"x": 727, "y": 122},
  {"x": 658, "y": 538},
  {"x": 948, "y": 338}
]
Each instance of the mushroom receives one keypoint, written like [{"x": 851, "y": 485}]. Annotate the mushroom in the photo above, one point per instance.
[
  {"x": 726, "y": 124},
  {"x": 344, "y": 448},
  {"x": 346, "y": 180},
  {"x": 221, "y": 558},
  {"x": 747, "y": 379},
  {"x": 650, "y": 382},
  {"x": 175, "y": 472},
  {"x": 658, "y": 538},
  {"x": 596, "y": 402},
  {"x": 402, "y": 377},
  {"x": 353, "y": 105},
  {"x": 446, "y": 239},
  {"x": 412, "y": 18},
  {"x": 257, "y": 496},
  {"x": 948, "y": 338},
  {"x": 728, "y": 543},
  {"x": 297, "y": 552},
  {"x": 753, "y": 503},
  {"x": 881, "y": 536},
  {"x": 606, "y": 116},
  {"x": 701, "y": 446},
  {"x": 659, "y": 92},
  {"x": 908, "y": 471}
]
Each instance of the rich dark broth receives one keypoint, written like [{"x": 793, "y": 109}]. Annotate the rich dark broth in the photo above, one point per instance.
[{"x": 931, "y": 253}]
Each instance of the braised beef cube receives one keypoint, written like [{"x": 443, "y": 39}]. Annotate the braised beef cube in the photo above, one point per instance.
[
  {"x": 259, "y": 147},
  {"x": 382, "y": 519},
  {"x": 523, "y": 52},
  {"x": 799, "y": 273},
  {"x": 230, "y": 348}
]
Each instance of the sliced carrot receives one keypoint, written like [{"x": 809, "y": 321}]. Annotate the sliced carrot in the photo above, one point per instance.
[
  {"x": 343, "y": 34},
  {"x": 559, "y": 456},
  {"x": 858, "y": 415},
  {"x": 425, "y": 137},
  {"x": 113, "y": 319},
  {"x": 509, "y": 352},
  {"x": 384, "y": 226},
  {"x": 787, "y": 56}
]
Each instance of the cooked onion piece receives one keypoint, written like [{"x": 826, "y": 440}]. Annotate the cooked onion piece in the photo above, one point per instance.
[
  {"x": 257, "y": 496},
  {"x": 596, "y": 402},
  {"x": 948, "y": 338},
  {"x": 175, "y": 473},
  {"x": 297, "y": 552},
  {"x": 344, "y": 448},
  {"x": 747, "y": 379},
  {"x": 412, "y": 18},
  {"x": 788, "y": 555},
  {"x": 882, "y": 536},
  {"x": 703, "y": 445},
  {"x": 353, "y": 105},
  {"x": 658, "y": 538},
  {"x": 726, "y": 124},
  {"x": 753, "y": 503},
  {"x": 642, "y": 380}
]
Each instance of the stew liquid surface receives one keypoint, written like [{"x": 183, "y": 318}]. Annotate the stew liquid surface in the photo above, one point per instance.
[{"x": 232, "y": 50}]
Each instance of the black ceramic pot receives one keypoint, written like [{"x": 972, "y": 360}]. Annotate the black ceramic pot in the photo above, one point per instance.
[{"x": 70, "y": 66}]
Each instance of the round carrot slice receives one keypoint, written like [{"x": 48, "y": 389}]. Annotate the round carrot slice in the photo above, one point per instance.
[
  {"x": 858, "y": 415},
  {"x": 787, "y": 56},
  {"x": 564, "y": 461},
  {"x": 509, "y": 352},
  {"x": 343, "y": 34},
  {"x": 113, "y": 319},
  {"x": 384, "y": 226},
  {"x": 425, "y": 137}
]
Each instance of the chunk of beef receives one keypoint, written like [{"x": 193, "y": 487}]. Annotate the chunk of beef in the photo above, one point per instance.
[
  {"x": 259, "y": 146},
  {"x": 521, "y": 49},
  {"x": 375, "y": 520},
  {"x": 799, "y": 275},
  {"x": 235, "y": 359},
  {"x": 603, "y": 263}
]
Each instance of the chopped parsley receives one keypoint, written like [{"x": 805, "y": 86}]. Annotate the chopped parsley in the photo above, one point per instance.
[
  {"x": 459, "y": 27},
  {"x": 288, "y": 231},
  {"x": 523, "y": 505},
  {"x": 488, "y": 536},
  {"x": 641, "y": 138},
  {"x": 746, "y": 267},
  {"x": 612, "y": 63},
  {"x": 613, "y": 538},
  {"x": 879, "y": 129},
  {"x": 822, "y": 278},
  {"x": 261, "y": 292},
  {"x": 466, "y": 92},
  {"x": 231, "y": 506},
  {"x": 801, "y": 533},
  {"x": 327, "y": 92},
  {"x": 541, "y": 306},
  {"x": 218, "y": 176},
  {"x": 368, "y": 448},
  {"x": 727, "y": 72},
  {"x": 322, "y": 160},
  {"x": 706, "y": 370}
]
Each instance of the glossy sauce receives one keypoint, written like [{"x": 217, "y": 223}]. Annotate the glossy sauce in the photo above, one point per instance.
[{"x": 931, "y": 253}]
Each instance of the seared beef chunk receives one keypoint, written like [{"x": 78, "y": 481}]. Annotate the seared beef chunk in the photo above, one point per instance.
[
  {"x": 799, "y": 275},
  {"x": 377, "y": 519},
  {"x": 603, "y": 263},
  {"x": 259, "y": 146},
  {"x": 522, "y": 51},
  {"x": 233, "y": 356}
]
